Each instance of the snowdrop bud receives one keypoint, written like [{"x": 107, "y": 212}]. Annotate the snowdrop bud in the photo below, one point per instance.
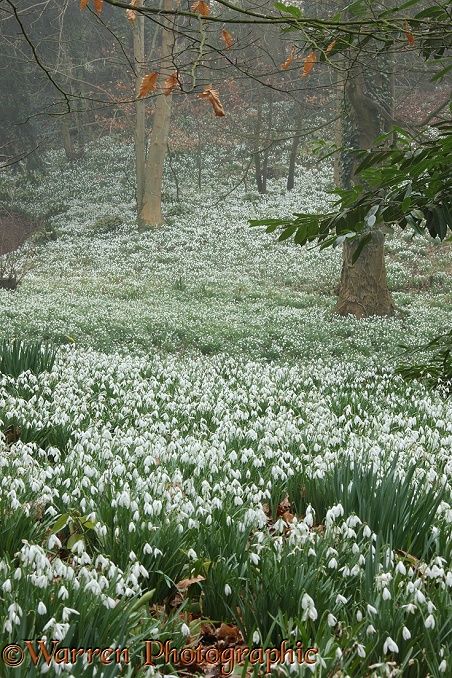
[
  {"x": 7, "y": 586},
  {"x": 400, "y": 568},
  {"x": 359, "y": 616},
  {"x": 338, "y": 653},
  {"x": 367, "y": 531},
  {"x": 256, "y": 637},
  {"x": 386, "y": 594},
  {"x": 185, "y": 630},
  {"x": 443, "y": 666},
  {"x": 42, "y": 608},
  {"x": 361, "y": 651},
  {"x": 371, "y": 609},
  {"x": 406, "y": 633},
  {"x": 227, "y": 590}
]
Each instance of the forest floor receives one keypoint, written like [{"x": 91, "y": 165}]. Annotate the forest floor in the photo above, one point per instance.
[{"x": 210, "y": 433}]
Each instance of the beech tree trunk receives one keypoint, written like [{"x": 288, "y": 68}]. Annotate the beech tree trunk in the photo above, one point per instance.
[
  {"x": 151, "y": 212},
  {"x": 140, "y": 106},
  {"x": 363, "y": 289}
]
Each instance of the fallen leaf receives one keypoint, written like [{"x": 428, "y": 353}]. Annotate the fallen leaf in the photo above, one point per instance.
[
  {"x": 229, "y": 634},
  {"x": 283, "y": 506},
  {"x": 308, "y": 63},
  {"x": 201, "y": 7},
  {"x": 185, "y": 583},
  {"x": 170, "y": 83},
  {"x": 148, "y": 84},
  {"x": 12, "y": 434},
  {"x": 83, "y": 4},
  {"x": 287, "y": 516},
  {"x": 227, "y": 38},
  {"x": 98, "y": 6}
]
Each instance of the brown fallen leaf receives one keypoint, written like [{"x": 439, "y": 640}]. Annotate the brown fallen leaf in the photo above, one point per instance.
[
  {"x": 330, "y": 47},
  {"x": 289, "y": 60},
  {"x": 98, "y": 6},
  {"x": 229, "y": 634},
  {"x": 83, "y": 4},
  {"x": 283, "y": 506},
  {"x": 408, "y": 34},
  {"x": 12, "y": 434},
  {"x": 184, "y": 584},
  {"x": 287, "y": 516}
]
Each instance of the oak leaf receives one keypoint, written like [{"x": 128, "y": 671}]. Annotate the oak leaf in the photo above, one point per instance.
[
  {"x": 227, "y": 38},
  {"x": 148, "y": 84},
  {"x": 212, "y": 95},
  {"x": 308, "y": 63},
  {"x": 201, "y": 7}
]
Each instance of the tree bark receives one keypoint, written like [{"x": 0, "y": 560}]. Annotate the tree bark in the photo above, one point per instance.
[
  {"x": 151, "y": 212},
  {"x": 363, "y": 289},
  {"x": 140, "y": 106}
]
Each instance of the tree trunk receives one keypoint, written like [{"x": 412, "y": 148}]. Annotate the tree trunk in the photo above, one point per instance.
[
  {"x": 257, "y": 152},
  {"x": 151, "y": 213},
  {"x": 140, "y": 106},
  {"x": 363, "y": 289},
  {"x": 293, "y": 161}
]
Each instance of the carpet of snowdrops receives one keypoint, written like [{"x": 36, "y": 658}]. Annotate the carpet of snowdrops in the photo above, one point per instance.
[{"x": 207, "y": 419}]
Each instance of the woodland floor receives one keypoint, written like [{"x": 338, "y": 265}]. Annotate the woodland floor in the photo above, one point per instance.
[{"x": 15, "y": 228}]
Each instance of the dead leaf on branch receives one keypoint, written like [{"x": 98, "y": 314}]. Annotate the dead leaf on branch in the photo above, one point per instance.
[
  {"x": 148, "y": 84},
  {"x": 130, "y": 13},
  {"x": 308, "y": 63},
  {"x": 201, "y": 7},
  {"x": 330, "y": 47},
  {"x": 212, "y": 95},
  {"x": 408, "y": 34},
  {"x": 170, "y": 83},
  {"x": 227, "y": 38},
  {"x": 288, "y": 62}
]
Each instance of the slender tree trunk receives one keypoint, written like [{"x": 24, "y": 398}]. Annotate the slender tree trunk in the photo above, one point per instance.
[
  {"x": 151, "y": 212},
  {"x": 140, "y": 106},
  {"x": 363, "y": 289},
  {"x": 257, "y": 152},
  {"x": 293, "y": 160}
]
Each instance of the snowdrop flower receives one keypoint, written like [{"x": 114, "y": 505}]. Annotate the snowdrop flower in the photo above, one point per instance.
[
  {"x": 332, "y": 621},
  {"x": 386, "y": 594},
  {"x": 372, "y": 610},
  {"x": 256, "y": 637},
  {"x": 361, "y": 650},
  {"x": 185, "y": 630},
  {"x": 370, "y": 630},
  {"x": 406, "y": 633},
  {"x": 443, "y": 666},
  {"x": 390, "y": 646},
  {"x": 227, "y": 590},
  {"x": 430, "y": 622},
  {"x": 7, "y": 586},
  {"x": 340, "y": 599},
  {"x": 42, "y": 608}
]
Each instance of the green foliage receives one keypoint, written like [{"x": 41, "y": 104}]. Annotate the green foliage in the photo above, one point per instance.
[
  {"x": 404, "y": 185},
  {"x": 436, "y": 369},
  {"x": 18, "y": 356},
  {"x": 45, "y": 234},
  {"x": 107, "y": 223}
]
